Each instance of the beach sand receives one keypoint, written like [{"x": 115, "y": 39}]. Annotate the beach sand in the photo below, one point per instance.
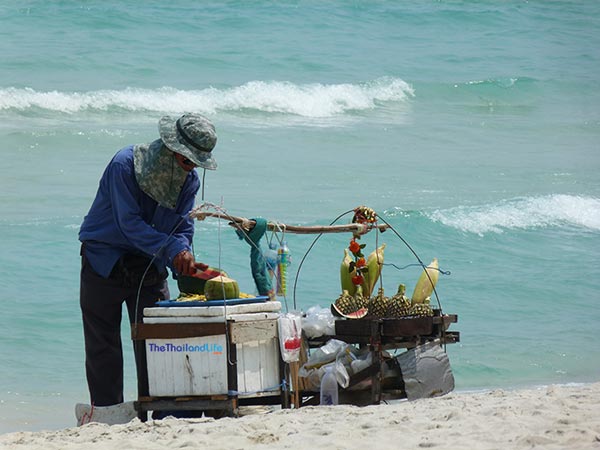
[{"x": 553, "y": 417}]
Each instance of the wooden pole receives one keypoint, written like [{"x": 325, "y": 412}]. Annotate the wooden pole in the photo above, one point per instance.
[
  {"x": 295, "y": 381},
  {"x": 248, "y": 224}
]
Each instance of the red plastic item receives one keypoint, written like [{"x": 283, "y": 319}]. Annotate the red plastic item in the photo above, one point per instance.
[{"x": 292, "y": 343}]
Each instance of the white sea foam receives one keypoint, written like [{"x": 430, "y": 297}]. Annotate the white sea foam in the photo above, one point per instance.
[
  {"x": 523, "y": 213},
  {"x": 308, "y": 100}
]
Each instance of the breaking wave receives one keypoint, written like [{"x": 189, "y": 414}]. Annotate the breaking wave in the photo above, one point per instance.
[
  {"x": 523, "y": 213},
  {"x": 307, "y": 100}
]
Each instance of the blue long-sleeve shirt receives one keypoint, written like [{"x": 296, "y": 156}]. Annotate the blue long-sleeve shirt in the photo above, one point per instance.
[{"x": 124, "y": 219}]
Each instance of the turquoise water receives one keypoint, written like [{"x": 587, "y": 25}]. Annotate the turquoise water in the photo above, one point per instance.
[{"x": 472, "y": 128}]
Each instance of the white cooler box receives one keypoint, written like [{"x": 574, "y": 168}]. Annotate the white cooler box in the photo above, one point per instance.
[{"x": 199, "y": 365}]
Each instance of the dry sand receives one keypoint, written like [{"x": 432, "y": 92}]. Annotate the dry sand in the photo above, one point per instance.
[{"x": 555, "y": 417}]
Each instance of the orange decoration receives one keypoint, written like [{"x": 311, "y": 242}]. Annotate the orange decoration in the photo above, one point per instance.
[
  {"x": 354, "y": 246},
  {"x": 358, "y": 280}
]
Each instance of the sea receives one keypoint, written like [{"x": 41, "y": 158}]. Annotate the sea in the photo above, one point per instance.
[{"x": 471, "y": 127}]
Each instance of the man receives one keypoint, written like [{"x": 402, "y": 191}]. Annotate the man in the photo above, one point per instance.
[{"x": 137, "y": 226}]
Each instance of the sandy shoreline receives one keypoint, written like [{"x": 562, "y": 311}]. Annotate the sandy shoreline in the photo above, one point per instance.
[{"x": 554, "y": 417}]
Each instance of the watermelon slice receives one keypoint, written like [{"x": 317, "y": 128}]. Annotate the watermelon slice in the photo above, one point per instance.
[{"x": 358, "y": 314}]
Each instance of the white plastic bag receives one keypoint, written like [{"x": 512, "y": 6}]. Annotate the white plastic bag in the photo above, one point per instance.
[
  {"x": 323, "y": 355},
  {"x": 350, "y": 362},
  {"x": 290, "y": 336},
  {"x": 318, "y": 322}
]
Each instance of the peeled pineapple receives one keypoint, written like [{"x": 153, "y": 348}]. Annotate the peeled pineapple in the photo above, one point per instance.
[
  {"x": 348, "y": 306},
  {"x": 359, "y": 299},
  {"x": 399, "y": 303},
  {"x": 379, "y": 305},
  {"x": 423, "y": 309},
  {"x": 344, "y": 304}
]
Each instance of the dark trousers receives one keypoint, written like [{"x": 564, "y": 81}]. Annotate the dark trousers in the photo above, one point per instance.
[{"x": 101, "y": 301}]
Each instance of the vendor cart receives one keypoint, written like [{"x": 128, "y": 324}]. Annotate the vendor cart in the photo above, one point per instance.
[{"x": 219, "y": 357}]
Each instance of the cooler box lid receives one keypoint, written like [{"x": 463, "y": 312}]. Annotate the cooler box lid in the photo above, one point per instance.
[{"x": 217, "y": 310}]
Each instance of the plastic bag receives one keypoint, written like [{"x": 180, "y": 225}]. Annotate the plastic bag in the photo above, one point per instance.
[
  {"x": 350, "y": 362},
  {"x": 318, "y": 322},
  {"x": 342, "y": 364},
  {"x": 290, "y": 336},
  {"x": 344, "y": 359},
  {"x": 426, "y": 371},
  {"x": 323, "y": 355}
]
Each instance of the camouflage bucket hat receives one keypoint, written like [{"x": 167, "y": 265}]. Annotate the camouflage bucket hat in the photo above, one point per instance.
[{"x": 192, "y": 135}]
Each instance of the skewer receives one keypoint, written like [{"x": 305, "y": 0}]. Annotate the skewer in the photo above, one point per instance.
[{"x": 248, "y": 224}]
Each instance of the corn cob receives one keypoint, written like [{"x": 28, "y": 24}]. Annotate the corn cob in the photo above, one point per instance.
[
  {"x": 374, "y": 266},
  {"x": 346, "y": 275},
  {"x": 426, "y": 283}
]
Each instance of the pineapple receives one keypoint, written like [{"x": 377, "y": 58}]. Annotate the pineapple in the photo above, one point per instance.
[
  {"x": 379, "y": 305},
  {"x": 348, "y": 306},
  {"x": 344, "y": 304},
  {"x": 359, "y": 299},
  {"x": 422, "y": 309},
  {"x": 399, "y": 303}
]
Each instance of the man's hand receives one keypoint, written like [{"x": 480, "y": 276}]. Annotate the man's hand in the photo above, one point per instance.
[
  {"x": 201, "y": 266},
  {"x": 184, "y": 263}
]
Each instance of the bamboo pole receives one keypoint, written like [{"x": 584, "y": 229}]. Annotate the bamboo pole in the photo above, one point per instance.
[{"x": 248, "y": 224}]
